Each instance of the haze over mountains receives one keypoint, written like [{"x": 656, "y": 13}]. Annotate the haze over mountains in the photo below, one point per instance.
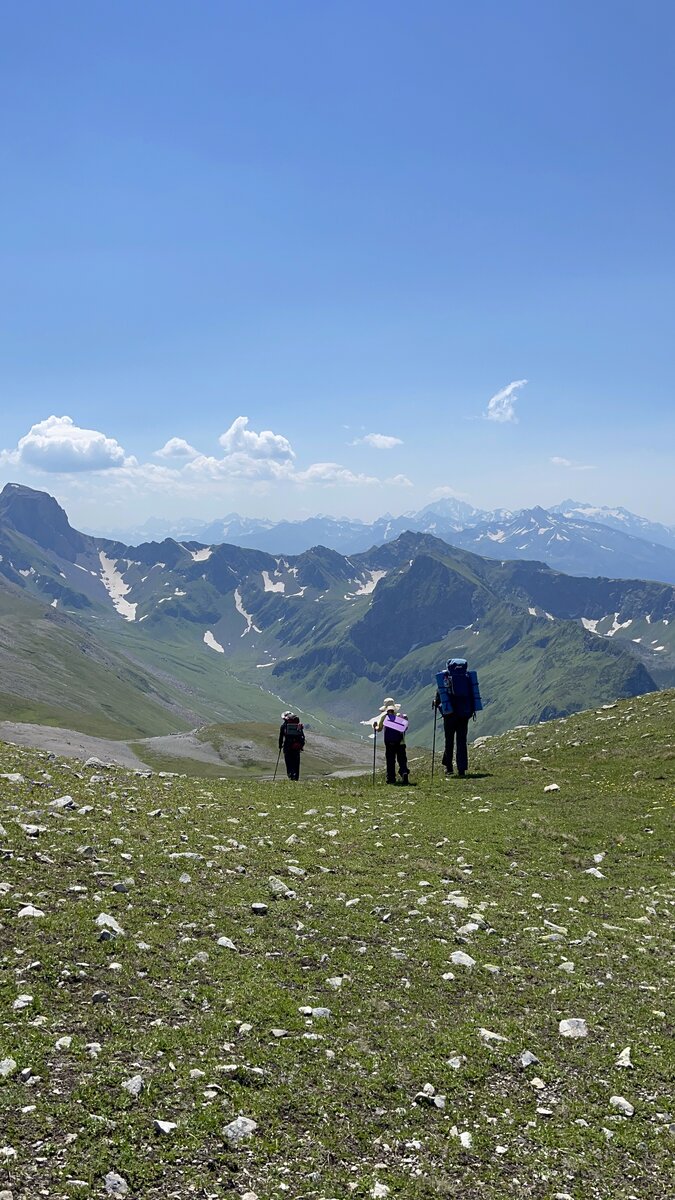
[
  {"x": 97, "y": 634},
  {"x": 578, "y": 538}
]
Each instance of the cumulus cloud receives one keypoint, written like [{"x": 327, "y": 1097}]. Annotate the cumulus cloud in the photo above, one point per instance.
[
  {"x": 262, "y": 459},
  {"x": 501, "y": 406},
  {"x": 240, "y": 440},
  {"x": 569, "y": 465},
  {"x": 331, "y": 473},
  {"x": 379, "y": 441},
  {"x": 238, "y": 466},
  {"x": 177, "y": 448},
  {"x": 60, "y": 446}
]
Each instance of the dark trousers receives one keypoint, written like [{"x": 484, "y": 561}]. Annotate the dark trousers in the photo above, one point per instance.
[
  {"x": 292, "y": 760},
  {"x": 392, "y": 755},
  {"x": 455, "y": 727}
]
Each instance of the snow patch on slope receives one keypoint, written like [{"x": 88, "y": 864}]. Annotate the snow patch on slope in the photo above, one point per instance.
[
  {"x": 247, "y": 616},
  {"x": 368, "y": 585},
  {"x": 212, "y": 643},
  {"x": 116, "y": 588},
  {"x": 270, "y": 586}
]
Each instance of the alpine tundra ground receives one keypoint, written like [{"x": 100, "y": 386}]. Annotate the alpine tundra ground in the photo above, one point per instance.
[{"x": 384, "y": 1012}]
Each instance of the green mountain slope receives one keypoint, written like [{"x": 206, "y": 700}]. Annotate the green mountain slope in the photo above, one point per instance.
[{"x": 54, "y": 671}]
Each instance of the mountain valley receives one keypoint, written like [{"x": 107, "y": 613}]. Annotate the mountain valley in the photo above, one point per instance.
[{"x": 165, "y": 637}]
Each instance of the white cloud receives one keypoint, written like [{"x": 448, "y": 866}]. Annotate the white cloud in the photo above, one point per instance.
[
  {"x": 447, "y": 493},
  {"x": 569, "y": 465},
  {"x": 331, "y": 473},
  {"x": 240, "y": 440},
  {"x": 263, "y": 460},
  {"x": 177, "y": 448},
  {"x": 379, "y": 441},
  {"x": 501, "y": 406},
  {"x": 58, "y": 445},
  {"x": 238, "y": 466}
]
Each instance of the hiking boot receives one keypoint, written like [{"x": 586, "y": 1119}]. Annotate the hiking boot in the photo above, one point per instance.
[
  {"x": 448, "y": 772},
  {"x": 392, "y": 782},
  {"x": 461, "y": 774},
  {"x": 404, "y": 779}
]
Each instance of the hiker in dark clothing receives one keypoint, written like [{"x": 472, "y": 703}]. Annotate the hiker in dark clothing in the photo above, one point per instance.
[
  {"x": 457, "y": 686},
  {"x": 292, "y": 742},
  {"x": 455, "y": 729}
]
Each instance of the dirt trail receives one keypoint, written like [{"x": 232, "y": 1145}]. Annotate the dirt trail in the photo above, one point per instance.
[{"x": 70, "y": 744}]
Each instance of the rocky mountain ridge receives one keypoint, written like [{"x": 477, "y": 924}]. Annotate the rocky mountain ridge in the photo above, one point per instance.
[
  {"x": 246, "y": 630},
  {"x": 577, "y": 538}
]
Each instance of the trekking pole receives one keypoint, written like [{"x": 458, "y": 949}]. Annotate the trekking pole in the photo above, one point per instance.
[
  {"x": 433, "y": 744},
  {"x": 374, "y": 749},
  {"x": 276, "y": 768}
]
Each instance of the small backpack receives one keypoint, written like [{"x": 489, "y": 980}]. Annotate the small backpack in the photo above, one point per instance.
[{"x": 394, "y": 729}]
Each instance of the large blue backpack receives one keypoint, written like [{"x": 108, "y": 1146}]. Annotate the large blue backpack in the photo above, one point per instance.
[{"x": 458, "y": 689}]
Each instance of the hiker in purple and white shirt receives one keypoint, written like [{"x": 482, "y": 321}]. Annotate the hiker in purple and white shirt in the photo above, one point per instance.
[{"x": 394, "y": 723}]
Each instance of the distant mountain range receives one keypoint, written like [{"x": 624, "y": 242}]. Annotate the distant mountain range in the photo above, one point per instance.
[
  {"x": 577, "y": 538},
  {"x": 95, "y": 633}
]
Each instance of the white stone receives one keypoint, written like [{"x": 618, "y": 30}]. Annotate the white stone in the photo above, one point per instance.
[
  {"x": 7, "y": 1067},
  {"x": 226, "y": 943},
  {"x": 552, "y": 787},
  {"x": 624, "y": 1106},
  {"x": 64, "y": 1043},
  {"x": 30, "y": 911},
  {"x": 116, "y": 1185},
  {"x": 63, "y": 802},
  {"x": 164, "y": 1126},
  {"x": 22, "y": 1001},
  {"x": 573, "y": 1027},
  {"x": 105, "y": 921},
  {"x": 487, "y": 1036},
  {"x": 134, "y": 1085},
  {"x": 624, "y": 1059},
  {"x": 239, "y": 1129},
  {"x": 279, "y": 889},
  {"x": 460, "y": 959},
  {"x": 527, "y": 1059}
]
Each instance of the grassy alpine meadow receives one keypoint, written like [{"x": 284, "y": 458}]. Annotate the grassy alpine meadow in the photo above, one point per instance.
[{"x": 333, "y": 989}]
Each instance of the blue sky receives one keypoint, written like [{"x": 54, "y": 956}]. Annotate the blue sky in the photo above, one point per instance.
[{"x": 351, "y": 225}]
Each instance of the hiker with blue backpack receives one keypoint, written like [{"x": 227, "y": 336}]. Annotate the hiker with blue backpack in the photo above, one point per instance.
[{"x": 458, "y": 698}]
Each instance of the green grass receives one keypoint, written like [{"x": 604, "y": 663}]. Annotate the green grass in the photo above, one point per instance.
[{"x": 335, "y": 1101}]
